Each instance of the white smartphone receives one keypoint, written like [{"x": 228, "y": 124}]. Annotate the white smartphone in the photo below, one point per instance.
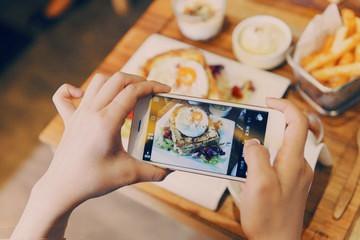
[{"x": 201, "y": 136}]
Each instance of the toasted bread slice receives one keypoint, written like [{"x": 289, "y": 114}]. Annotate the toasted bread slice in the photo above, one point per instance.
[
  {"x": 188, "y": 53},
  {"x": 185, "y": 145}
]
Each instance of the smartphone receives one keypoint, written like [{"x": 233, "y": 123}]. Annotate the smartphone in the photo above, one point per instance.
[{"x": 201, "y": 136}]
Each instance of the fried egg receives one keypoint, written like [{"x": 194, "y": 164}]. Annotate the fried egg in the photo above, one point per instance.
[
  {"x": 184, "y": 76},
  {"x": 191, "y": 121}
]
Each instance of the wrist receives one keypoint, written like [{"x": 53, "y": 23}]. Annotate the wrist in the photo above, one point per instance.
[
  {"x": 46, "y": 214},
  {"x": 284, "y": 234}
]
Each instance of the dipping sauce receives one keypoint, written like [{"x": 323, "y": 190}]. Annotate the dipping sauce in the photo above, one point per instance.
[{"x": 263, "y": 39}]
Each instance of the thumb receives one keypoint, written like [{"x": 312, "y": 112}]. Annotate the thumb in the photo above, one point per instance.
[
  {"x": 257, "y": 158},
  {"x": 148, "y": 173}
]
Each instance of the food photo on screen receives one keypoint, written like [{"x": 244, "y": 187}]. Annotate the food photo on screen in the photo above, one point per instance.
[{"x": 201, "y": 136}]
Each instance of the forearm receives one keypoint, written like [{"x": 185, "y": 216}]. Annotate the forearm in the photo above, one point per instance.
[{"x": 44, "y": 217}]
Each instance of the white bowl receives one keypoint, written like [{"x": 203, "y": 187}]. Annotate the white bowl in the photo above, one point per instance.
[
  {"x": 263, "y": 61},
  {"x": 192, "y": 27}
]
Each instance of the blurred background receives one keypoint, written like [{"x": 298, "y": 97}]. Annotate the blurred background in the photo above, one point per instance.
[{"x": 44, "y": 43}]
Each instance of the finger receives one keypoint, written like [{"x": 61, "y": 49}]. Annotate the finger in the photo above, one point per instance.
[
  {"x": 112, "y": 87},
  {"x": 126, "y": 100},
  {"x": 257, "y": 158},
  {"x": 261, "y": 177},
  {"x": 308, "y": 175},
  {"x": 290, "y": 160},
  {"x": 62, "y": 100},
  {"x": 94, "y": 86},
  {"x": 128, "y": 170},
  {"x": 148, "y": 173},
  {"x": 296, "y": 130}
]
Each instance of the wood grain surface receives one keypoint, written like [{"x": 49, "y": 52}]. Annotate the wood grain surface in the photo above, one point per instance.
[
  {"x": 350, "y": 186},
  {"x": 339, "y": 131}
]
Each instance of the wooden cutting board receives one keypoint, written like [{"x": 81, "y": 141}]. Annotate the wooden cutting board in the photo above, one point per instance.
[{"x": 339, "y": 131}]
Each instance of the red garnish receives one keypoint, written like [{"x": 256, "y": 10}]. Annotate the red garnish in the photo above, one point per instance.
[
  {"x": 130, "y": 115},
  {"x": 236, "y": 92},
  {"x": 167, "y": 132}
]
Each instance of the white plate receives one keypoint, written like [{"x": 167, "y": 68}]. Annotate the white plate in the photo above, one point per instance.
[
  {"x": 266, "y": 84},
  {"x": 191, "y": 186},
  {"x": 163, "y": 156}
]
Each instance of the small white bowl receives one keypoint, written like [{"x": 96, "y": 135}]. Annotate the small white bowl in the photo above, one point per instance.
[
  {"x": 193, "y": 27},
  {"x": 263, "y": 61}
]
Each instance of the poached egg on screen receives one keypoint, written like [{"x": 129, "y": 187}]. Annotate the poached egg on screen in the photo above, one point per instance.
[
  {"x": 191, "y": 121},
  {"x": 184, "y": 76}
]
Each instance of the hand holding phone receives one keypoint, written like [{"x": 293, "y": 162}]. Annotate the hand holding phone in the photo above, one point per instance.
[
  {"x": 90, "y": 160},
  {"x": 91, "y": 156},
  {"x": 273, "y": 199},
  {"x": 201, "y": 136}
]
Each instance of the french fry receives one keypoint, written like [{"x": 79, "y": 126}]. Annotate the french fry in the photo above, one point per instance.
[
  {"x": 321, "y": 60},
  {"x": 328, "y": 43},
  {"x": 358, "y": 25},
  {"x": 306, "y": 60},
  {"x": 339, "y": 38},
  {"x": 330, "y": 64},
  {"x": 347, "y": 58},
  {"x": 325, "y": 49},
  {"x": 350, "y": 70},
  {"x": 338, "y": 81},
  {"x": 357, "y": 53},
  {"x": 349, "y": 20}
]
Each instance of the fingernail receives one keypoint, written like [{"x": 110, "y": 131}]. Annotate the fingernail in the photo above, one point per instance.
[
  {"x": 98, "y": 75},
  {"x": 78, "y": 92},
  {"x": 167, "y": 86},
  {"x": 252, "y": 141}
]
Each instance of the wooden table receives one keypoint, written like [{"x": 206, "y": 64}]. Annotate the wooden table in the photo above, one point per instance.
[{"x": 339, "y": 131}]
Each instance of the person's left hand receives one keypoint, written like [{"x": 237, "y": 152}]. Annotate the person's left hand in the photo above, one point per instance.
[{"x": 90, "y": 160}]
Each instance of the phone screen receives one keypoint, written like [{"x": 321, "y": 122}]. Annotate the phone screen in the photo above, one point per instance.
[{"x": 201, "y": 136}]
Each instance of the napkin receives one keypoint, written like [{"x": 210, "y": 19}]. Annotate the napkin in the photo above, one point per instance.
[
  {"x": 316, "y": 32},
  {"x": 203, "y": 190}
]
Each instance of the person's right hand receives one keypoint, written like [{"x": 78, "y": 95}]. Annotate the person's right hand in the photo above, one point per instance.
[{"x": 272, "y": 201}]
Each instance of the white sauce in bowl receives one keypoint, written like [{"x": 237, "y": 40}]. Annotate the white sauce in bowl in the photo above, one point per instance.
[{"x": 262, "y": 39}]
